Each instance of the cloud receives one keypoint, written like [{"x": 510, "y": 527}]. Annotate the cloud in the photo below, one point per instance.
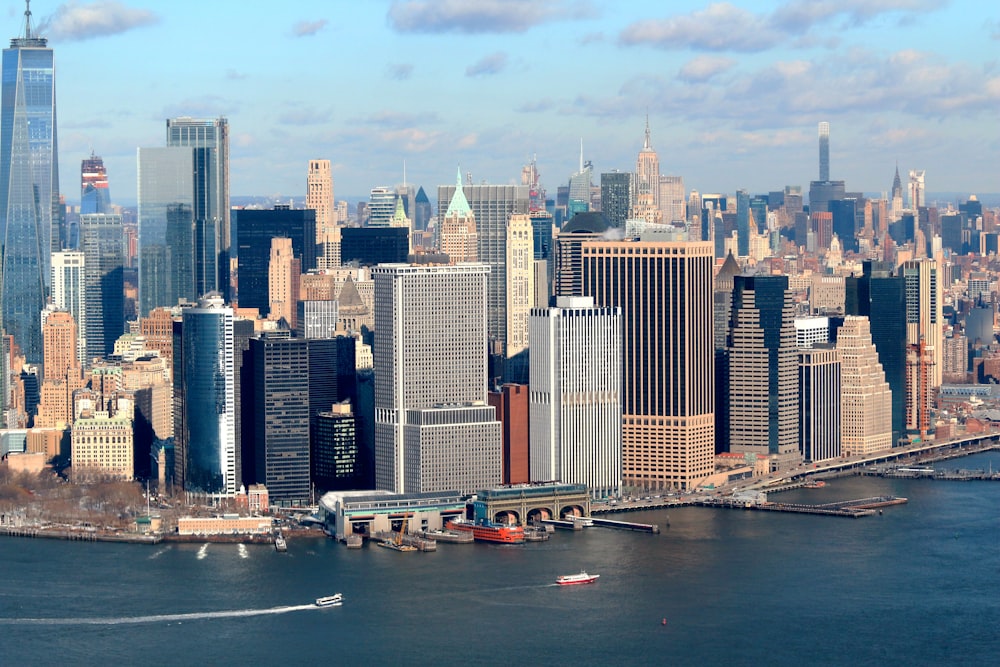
[
  {"x": 398, "y": 120},
  {"x": 724, "y": 27},
  {"x": 537, "y": 106},
  {"x": 75, "y": 22},
  {"x": 481, "y": 16},
  {"x": 703, "y": 68},
  {"x": 303, "y": 116},
  {"x": 399, "y": 72},
  {"x": 488, "y": 65},
  {"x": 206, "y": 106},
  {"x": 308, "y": 28}
]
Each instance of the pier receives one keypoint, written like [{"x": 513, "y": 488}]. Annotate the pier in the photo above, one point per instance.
[
  {"x": 912, "y": 472},
  {"x": 651, "y": 528},
  {"x": 851, "y": 509}
]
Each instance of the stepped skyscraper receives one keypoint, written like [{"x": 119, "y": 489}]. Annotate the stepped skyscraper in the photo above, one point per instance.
[{"x": 29, "y": 196}]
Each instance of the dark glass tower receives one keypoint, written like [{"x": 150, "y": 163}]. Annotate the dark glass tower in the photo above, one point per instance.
[
  {"x": 616, "y": 197},
  {"x": 29, "y": 194},
  {"x": 101, "y": 240},
  {"x": 742, "y": 223}
]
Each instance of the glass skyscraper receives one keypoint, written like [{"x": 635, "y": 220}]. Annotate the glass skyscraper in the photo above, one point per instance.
[{"x": 29, "y": 194}]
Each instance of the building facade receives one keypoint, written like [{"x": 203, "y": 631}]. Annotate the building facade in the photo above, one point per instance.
[{"x": 101, "y": 241}]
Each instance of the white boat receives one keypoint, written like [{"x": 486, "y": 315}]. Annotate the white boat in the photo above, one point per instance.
[
  {"x": 582, "y": 521},
  {"x": 582, "y": 578},
  {"x": 279, "y": 543},
  {"x": 330, "y": 601}
]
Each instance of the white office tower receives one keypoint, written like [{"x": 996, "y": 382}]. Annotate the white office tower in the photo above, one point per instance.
[
  {"x": 865, "y": 397},
  {"x": 433, "y": 428},
  {"x": 68, "y": 294},
  {"x": 575, "y": 406}
]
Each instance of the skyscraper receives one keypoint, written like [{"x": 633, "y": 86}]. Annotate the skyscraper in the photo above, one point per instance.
[
  {"x": 520, "y": 294},
  {"x": 665, "y": 292},
  {"x": 255, "y": 230},
  {"x": 283, "y": 272},
  {"x": 207, "y": 438},
  {"x": 68, "y": 293},
  {"x": 95, "y": 197},
  {"x": 29, "y": 194},
  {"x": 763, "y": 380},
  {"x": 647, "y": 174},
  {"x": 457, "y": 236},
  {"x": 101, "y": 240},
  {"x": 433, "y": 428},
  {"x": 319, "y": 197},
  {"x": 824, "y": 151},
  {"x": 209, "y": 140},
  {"x": 492, "y": 205},
  {"x": 866, "y": 399},
  {"x": 579, "y": 187},
  {"x": 575, "y": 395},
  {"x": 381, "y": 205},
  {"x": 616, "y": 197},
  {"x": 820, "y": 403}
]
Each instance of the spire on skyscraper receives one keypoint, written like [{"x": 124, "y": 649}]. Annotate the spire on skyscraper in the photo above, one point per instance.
[
  {"x": 459, "y": 205},
  {"x": 646, "y": 146},
  {"x": 897, "y": 184}
]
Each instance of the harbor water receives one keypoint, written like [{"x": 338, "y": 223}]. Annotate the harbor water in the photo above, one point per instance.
[{"x": 917, "y": 585}]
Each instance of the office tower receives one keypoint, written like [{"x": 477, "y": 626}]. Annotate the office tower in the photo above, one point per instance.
[
  {"x": 647, "y": 174},
  {"x": 844, "y": 222},
  {"x": 319, "y": 198},
  {"x": 520, "y": 294},
  {"x": 916, "y": 189},
  {"x": 62, "y": 374},
  {"x": 166, "y": 228},
  {"x": 822, "y": 225},
  {"x": 575, "y": 395},
  {"x": 368, "y": 246},
  {"x": 316, "y": 319},
  {"x": 672, "y": 203},
  {"x": 579, "y": 187},
  {"x": 102, "y": 443},
  {"x": 511, "y": 404},
  {"x": 205, "y": 443},
  {"x": 457, "y": 236},
  {"x": 95, "y": 197},
  {"x": 616, "y": 197},
  {"x": 811, "y": 331},
  {"x": 543, "y": 234},
  {"x": 763, "y": 382},
  {"x": 664, "y": 290},
  {"x": 492, "y": 205},
  {"x": 569, "y": 242},
  {"x": 209, "y": 141},
  {"x": 255, "y": 230},
  {"x": 29, "y": 195},
  {"x": 742, "y": 223},
  {"x": 722, "y": 306},
  {"x": 924, "y": 319},
  {"x": 433, "y": 429},
  {"x": 276, "y": 415},
  {"x": 381, "y": 205},
  {"x": 68, "y": 294},
  {"x": 422, "y": 210},
  {"x": 866, "y": 400},
  {"x": 824, "y": 151},
  {"x": 283, "y": 272},
  {"x": 819, "y": 399},
  {"x": 335, "y": 455},
  {"x": 896, "y": 196},
  {"x": 104, "y": 281}
]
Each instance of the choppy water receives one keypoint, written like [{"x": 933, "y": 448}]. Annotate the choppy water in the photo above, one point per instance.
[{"x": 919, "y": 585}]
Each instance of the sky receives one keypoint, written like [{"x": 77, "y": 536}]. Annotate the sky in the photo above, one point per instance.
[{"x": 733, "y": 90}]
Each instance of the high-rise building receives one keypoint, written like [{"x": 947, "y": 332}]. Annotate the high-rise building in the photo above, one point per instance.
[
  {"x": 422, "y": 210},
  {"x": 616, "y": 197},
  {"x": 520, "y": 294},
  {"x": 819, "y": 400},
  {"x": 283, "y": 272},
  {"x": 742, "y": 223},
  {"x": 492, "y": 206},
  {"x": 166, "y": 223},
  {"x": 647, "y": 173},
  {"x": 866, "y": 400},
  {"x": 319, "y": 198},
  {"x": 95, "y": 197},
  {"x": 568, "y": 259},
  {"x": 511, "y": 404},
  {"x": 101, "y": 241},
  {"x": 763, "y": 379},
  {"x": 433, "y": 428},
  {"x": 30, "y": 215},
  {"x": 575, "y": 395},
  {"x": 672, "y": 199},
  {"x": 205, "y": 444},
  {"x": 209, "y": 141},
  {"x": 381, "y": 205},
  {"x": 664, "y": 290},
  {"x": 824, "y": 151},
  {"x": 68, "y": 293},
  {"x": 255, "y": 230},
  {"x": 579, "y": 187},
  {"x": 924, "y": 319},
  {"x": 457, "y": 236},
  {"x": 369, "y": 246},
  {"x": 335, "y": 456},
  {"x": 916, "y": 189},
  {"x": 62, "y": 374},
  {"x": 276, "y": 416}
]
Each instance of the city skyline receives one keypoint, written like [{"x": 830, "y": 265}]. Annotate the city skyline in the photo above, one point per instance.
[{"x": 733, "y": 91}]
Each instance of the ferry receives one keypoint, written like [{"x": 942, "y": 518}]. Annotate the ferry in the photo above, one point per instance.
[
  {"x": 582, "y": 578},
  {"x": 487, "y": 531},
  {"x": 815, "y": 484},
  {"x": 582, "y": 521},
  {"x": 330, "y": 601}
]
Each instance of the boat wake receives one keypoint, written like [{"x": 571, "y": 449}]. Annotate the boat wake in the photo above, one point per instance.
[
  {"x": 157, "y": 618},
  {"x": 243, "y": 551},
  {"x": 202, "y": 552}
]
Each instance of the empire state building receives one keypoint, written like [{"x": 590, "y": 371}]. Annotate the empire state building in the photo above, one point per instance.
[{"x": 29, "y": 185}]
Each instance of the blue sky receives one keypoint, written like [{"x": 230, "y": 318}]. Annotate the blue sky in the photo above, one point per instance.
[{"x": 733, "y": 90}]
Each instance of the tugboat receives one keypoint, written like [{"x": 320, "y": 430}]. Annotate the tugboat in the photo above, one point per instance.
[
  {"x": 572, "y": 579},
  {"x": 330, "y": 601}
]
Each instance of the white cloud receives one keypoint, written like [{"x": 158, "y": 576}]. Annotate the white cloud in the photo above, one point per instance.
[
  {"x": 308, "y": 28},
  {"x": 703, "y": 68},
  {"x": 488, "y": 65},
  {"x": 74, "y": 21},
  {"x": 481, "y": 16}
]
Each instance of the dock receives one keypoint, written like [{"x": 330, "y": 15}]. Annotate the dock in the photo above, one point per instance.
[
  {"x": 852, "y": 509},
  {"x": 561, "y": 523},
  {"x": 917, "y": 472},
  {"x": 651, "y": 528}
]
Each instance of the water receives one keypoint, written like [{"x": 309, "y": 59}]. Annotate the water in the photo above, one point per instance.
[{"x": 915, "y": 586}]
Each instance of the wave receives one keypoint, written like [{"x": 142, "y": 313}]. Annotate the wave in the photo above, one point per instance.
[{"x": 158, "y": 618}]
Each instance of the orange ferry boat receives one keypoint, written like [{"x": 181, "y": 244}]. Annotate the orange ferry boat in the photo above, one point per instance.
[{"x": 487, "y": 531}]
